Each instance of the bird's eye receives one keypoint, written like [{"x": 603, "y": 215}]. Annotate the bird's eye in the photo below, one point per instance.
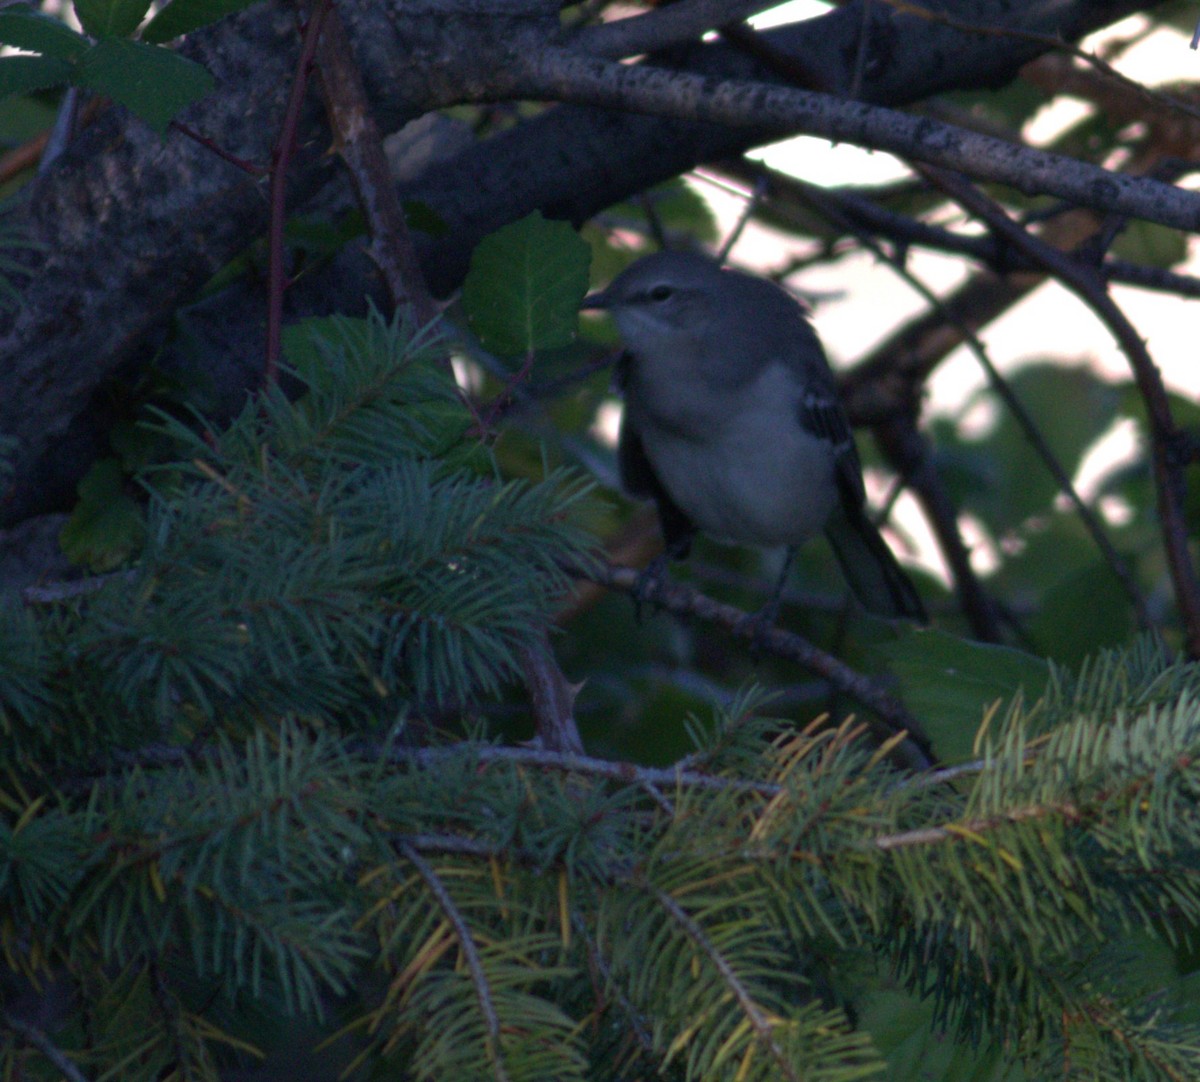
[{"x": 660, "y": 293}]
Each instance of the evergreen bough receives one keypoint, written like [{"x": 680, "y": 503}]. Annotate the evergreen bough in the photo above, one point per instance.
[{"x": 232, "y": 821}]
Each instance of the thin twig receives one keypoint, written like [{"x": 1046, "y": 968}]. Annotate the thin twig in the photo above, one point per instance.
[
  {"x": 748, "y": 210},
  {"x": 859, "y": 208},
  {"x": 890, "y": 715},
  {"x": 35, "y": 1038},
  {"x": 633, "y": 1017},
  {"x": 1169, "y": 458},
  {"x": 669, "y": 777},
  {"x": 1033, "y": 434},
  {"x": 281, "y": 157},
  {"x": 247, "y": 167},
  {"x": 1050, "y": 42},
  {"x": 904, "y": 445},
  {"x": 933, "y": 835},
  {"x": 470, "y": 953},
  {"x": 752, "y": 1011}
]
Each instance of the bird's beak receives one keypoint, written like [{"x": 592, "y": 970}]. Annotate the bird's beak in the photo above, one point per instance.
[{"x": 597, "y": 300}]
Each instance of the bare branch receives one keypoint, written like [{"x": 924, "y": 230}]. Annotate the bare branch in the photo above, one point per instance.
[
  {"x": 470, "y": 953},
  {"x": 866, "y": 216},
  {"x": 357, "y": 139},
  {"x": 1167, "y": 441},
  {"x": 563, "y": 76},
  {"x": 984, "y": 611},
  {"x": 890, "y": 715},
  {"x": 552, "y": 697},
  {"x": 669, "y": 777}
]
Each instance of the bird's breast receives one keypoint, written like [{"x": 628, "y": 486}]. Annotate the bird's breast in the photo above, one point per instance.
[{"x": 736, "y": 459}]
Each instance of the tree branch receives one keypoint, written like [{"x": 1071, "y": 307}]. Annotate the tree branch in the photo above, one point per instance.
[
  {"x": 563, "y": 76},
  {"x": 470, "y": 953},
  {"x": 754, "y": 1014},
  {"x": 357, "y": 139},
  {"x": 552, "y": 698},
  {"x": 890, "y": 715},
  {"x": 35, "y": 1038},
  {"x": 1168, "y": 459}
]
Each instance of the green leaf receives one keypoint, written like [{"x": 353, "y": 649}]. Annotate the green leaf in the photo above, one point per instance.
[
  {"x": 38, "y": 33},
  {"x": 111, "y": 18},
  {"x": 1156, "y": 245},
  {"x": 525, "y": 284},
  {"x": 1085, "y": 612},
  {"x": 107, "y": 526},
  {"x": 150, "y": 81},
  {"x": 420, "y": 215},
  {"x": 184, "y": 16},
  {"x": 19, "y": 74},
  {"x": 1016, "y": 484},
  {"x": 949, "y": 683},
  {"x": 23, "y": 119}
]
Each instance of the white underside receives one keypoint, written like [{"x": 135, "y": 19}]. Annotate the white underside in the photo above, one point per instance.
[{"x": 742, "y": 468}]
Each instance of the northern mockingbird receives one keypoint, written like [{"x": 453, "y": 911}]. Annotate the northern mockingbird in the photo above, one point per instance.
[{"x": 732, "y": 422}]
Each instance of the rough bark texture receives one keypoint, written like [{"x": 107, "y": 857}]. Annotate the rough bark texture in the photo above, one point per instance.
[{"x": 128, "y": 226}]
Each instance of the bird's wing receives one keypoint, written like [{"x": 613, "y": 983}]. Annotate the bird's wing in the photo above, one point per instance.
[
  {"x": 821, "y": 414},
  {"x": 639, "y": 479}
]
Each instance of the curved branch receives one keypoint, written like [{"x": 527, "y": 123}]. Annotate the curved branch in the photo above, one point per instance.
[
  {"x": 892, "y": 716},
  {"x": 1169, "y": 458},
  {"x": 470, "y": 953},
  {"x": 753, "y": 1012},
  {"x": 563, "y": 76}
]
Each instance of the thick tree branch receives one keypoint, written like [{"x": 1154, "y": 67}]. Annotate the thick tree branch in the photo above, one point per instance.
[
  {"x": 125, "y": 227},
  {"x": 562, "y": 76}
]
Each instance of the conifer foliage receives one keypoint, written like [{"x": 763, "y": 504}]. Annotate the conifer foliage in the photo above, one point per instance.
[{"x": 221, "y": 841}]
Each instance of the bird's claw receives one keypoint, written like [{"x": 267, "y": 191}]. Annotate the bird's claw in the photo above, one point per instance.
[{"x": 649, "y": 585}]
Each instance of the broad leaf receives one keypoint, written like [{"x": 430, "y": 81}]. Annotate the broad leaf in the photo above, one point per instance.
[
  {"x": 106, "y": 526},
  {"x": 525, "y": 284},
  {"x": 152, "y": 82},
  {"x": 111, "y": 18},
  {"x": 949, "y": 683},
  {"x": 38, "y": 33},
  {"x": 19, "y": 74},
  {"x": 184, "y": 16}
]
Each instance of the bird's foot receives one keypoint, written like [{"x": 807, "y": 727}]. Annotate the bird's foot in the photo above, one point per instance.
[{"x": 649, "y": 585}]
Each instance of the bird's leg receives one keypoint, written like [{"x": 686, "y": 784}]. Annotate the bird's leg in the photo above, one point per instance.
[
  {"x": 653, "y": 577},
  {"x": 757, "y": 624}
]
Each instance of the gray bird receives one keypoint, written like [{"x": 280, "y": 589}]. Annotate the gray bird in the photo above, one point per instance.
[{"x": 732, "y": 422}]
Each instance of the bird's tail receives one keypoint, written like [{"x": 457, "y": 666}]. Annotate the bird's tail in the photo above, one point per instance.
[{"x": 877, "y": 580}]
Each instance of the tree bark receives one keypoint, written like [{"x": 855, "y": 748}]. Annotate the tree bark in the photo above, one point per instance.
[{"x": 125, "y": 227}]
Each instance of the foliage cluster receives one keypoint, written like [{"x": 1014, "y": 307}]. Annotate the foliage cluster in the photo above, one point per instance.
[{"x": 255, "y": 817}]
